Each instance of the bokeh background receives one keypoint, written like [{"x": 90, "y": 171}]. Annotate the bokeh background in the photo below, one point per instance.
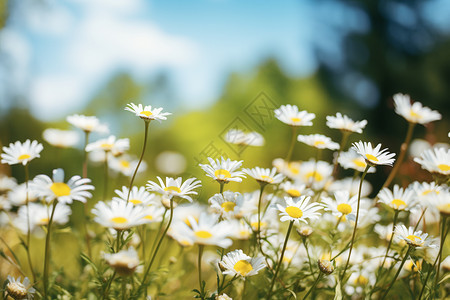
[{"x": 216, "y": 65}]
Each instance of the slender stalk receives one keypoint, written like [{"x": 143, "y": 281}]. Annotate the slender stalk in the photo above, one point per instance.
[
  {"x": 140, "y": 159},
  {"x": 313, "y": 286},
  {"x": 124, "y": 288},
  {"x": 401, "y": 156},
  {"x": 105, "y": 180},
  {"x": 281, "y": 259},
  {"x": 158, "y": 231},
  {"x": 420, "y": 218},
  {"x": 356, "y": 220},
  {"x": 292, "y": 145},
  {"x": 221, "y": 183},
  {"x": 398, "y": 272},
  {"x": 258, "y": 232},
  {"x": 443, "y": 236},
  {"x": 85, "y": 160},
  {"x": 309, "y": 257},
  {"x": 47, "y": 250},
  {"x": 105, "y": 293},
  {"x": 345, "y": 135},
  {"x": 428, "y": 276},
  {"x": 85, "y": 208},
  {"x": 27, "y": 178},
  {"x": 200, "y": 254}
]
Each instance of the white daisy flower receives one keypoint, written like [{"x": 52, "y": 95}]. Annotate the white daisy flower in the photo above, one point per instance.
[
  {"x": 436, "y": 160},
  {"x": 206, "y": 231},
  {"x": 238, "y": 137},
  {"x": 119, "y": 215},
  {"x": 289, "y": 114},
  {"x": 61, "y": 138},
  {"x": 17, "y": 289},
  {"x": 123, "y": 262},
  {"x": 238, "y": 263},
  {"x": 146, "y": 113},
  {"x": 227, "y": 204},
  {"x": 223, "y": 170},
  {"x": 299, "y": 209},
  {"x": 40, "y": 215},
  {"x": 352, "y": 160},
  {"x": 295, "y": 189},
  {"x": 344, "y": 123},
  {"x": 49, "y": 189},
  {"x": 7, "y": 183},
  {"x": 399, "y": 199},
  {"x": 5, "y": 205},
  {"x": 351, "y": 185},
  {"x": 374, "y": 156},
  {"x": 290, "y": 169},
  {"x": 110, "y": 144},
  {"x": 241, "y": 230},
  {"x": 318, "y": 141},
  {"x": 441, "y": 202},
  {"x": 415, "y": 113},
  {"x": 342, "y": 206},
  {"x": 153, "y": 214},
  {"x": 138, "y": 196},
  {"x": 264, "y": 176},
  {"x": 87, "y": 123},
  {"x": 21, "y": 153},
  {"x": 175, "y": 187},
  {"x": 424, "y": 190},
  {"x": 184, "y": 210},
  {"x": 317, "y": 172},
  {"x": 124, "y": 164},
  {"x": 18, "y": 195},
  {"x": 416, "y": 239},
  {"x": 176, "y": 232}
]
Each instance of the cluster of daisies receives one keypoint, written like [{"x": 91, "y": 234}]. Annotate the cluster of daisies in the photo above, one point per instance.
[{"x": 308, "y": 230}]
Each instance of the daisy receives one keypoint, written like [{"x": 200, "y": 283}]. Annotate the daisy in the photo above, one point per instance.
[
  {"x": 138, "y": 196},
  {"x": 441, "y": 202},
  {"x": 295, "y": 189},
  {"x": 299, "y": 209},
  {"x": 344, "y": 123},
  {"x": 61, "y": 138},
  {"x": 176, "y": 231},
  {"x": 264, "y": 176},
  {"x": 399, "y": 199},
  {"x": 223, "y": 170},
  {"x": 352, "y": 160},
  {"x": 18, "y": 195},
  {"x": 415, "y": 113},
  {"x": 123, "y": 262},
  {"x": 238, "y": 137},
  {"x": 153, "y": 214},
  {"x": 289, "y": 114},
  {"x": 21, "y": 153},
  {"x": 5, "y": 205},
  {"x": 290, "y": 169},
  {"x": 238, "y": 263},
  {"x": 318, "y": 172},
  {"x": 436, "y": 160},
  {"x": 17, "y": 289},
  {"x": 227, "y": 204},
  {"x": 110, "y": 144},
  {"x": 119, "y": 215},
  {"x": 54, "y": 188},
  {"x": 424, "y": 190},
  {"x": 175, "y": 187},
  {"x": 318, "y": 141},
  {"x": 124, "y": 164},
  {"x": 241, "y": 230},
  {"x": 325, "y": 266},
  {"x": 350, "y": 185},
  {"x": 343, "y": 206},
  {"x": 416, "y": 239},
  {"x": 206, "y": 231},
  {"x": 146, "y": 113},
  {"x": 87, "y": 123},
  {"x": 7, "y": 183},
  {"x": 373, "y": 156},
  {"x": 39, "y": 215},
  {"x": 183, "y": 211}
]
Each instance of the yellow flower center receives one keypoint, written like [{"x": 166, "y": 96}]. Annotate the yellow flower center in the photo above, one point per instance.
[
  {"x": 361, "y": 280},
  {"x": 228, "y": 206},
  {"x": 222, "y": 173},
  {"x": 414, "y": 114},
  {"x": 267, "y": 178},
  {"x": 173, "y": 189},
  {"x": 396, "y": 203},
  {"x": 294, "y": 212},
  {"x": 119, "y": 220},
  {"x": 243, "y": 267},
  {"x": 255, "y": 225},
  {"x": 415, "y": 239},
  {"x": 24, "y": 156},
  {"x": 44, "y": 221},
  {"x": 444, "y": 208},
  {"x": 344, "y": 208},
  {"x": 148, "y": 217},
  {"x": 135, "y": 201},
  {"x": 146, "y": 113},
  {"x": 60, "y": 189},
  {"x": 294, "y": 193},
  {"x": 359, "y": 163},
  {"x": 106, "y": 146},
  {"x": 316, "y": 175},
  {"x": 293, "y": 168},
  {"x": 295, "y": 119},
  {"x": 371, "y": 157},
  {"x": 188, "y": 223},
  {"x": 125, "y": 163},
  {"x": 444, "y": 167},
  {"x": 318, "y": 143},
  {"x": 203, "y": 234}
]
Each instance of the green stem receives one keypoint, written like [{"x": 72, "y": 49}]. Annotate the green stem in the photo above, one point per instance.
[
  {"x": 200, "y": 254},
  {"x": 124, "y": 288},
  {"x": 47, "y": 250},
  {"x": 27, "y": 176},
  {"x": 309, "y": 257},
  {"x": 291, "y": 147},
  {"x": 398, "y": 272},
  {"x": 281, "y": 259},
  {"x": 85, "y": 160},
  {"x": 313, "y": 286},
  {"x": 428, "y": 276},
  {"x": 356, "y": 221},
  {"x": 345, "y": 135},
  {"x": 140, "y": 159},
  {"x": 420, "y": 218},
  {"x": 443, "y": 236},
  {"x": 158, "y": 231},
  {"x": 401, "y": 156},
  {"x": 108, "y": 286},
  {"x": 258, "y": 231},
  {"x": 105, "y": 183}
]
